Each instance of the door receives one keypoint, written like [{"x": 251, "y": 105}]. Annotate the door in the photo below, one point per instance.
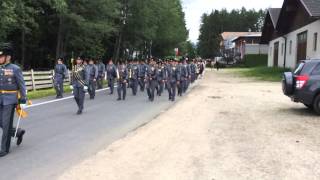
[
  {"x": 275, "y": 54},
  {"x": 302, "y": 46}
]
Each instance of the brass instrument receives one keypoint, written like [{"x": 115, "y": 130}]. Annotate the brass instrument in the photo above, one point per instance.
[
  {"x": 118, "y": 75},
  {"x": 130, "y": 73}
]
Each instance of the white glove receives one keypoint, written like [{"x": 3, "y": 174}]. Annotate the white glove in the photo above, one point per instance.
[
  {"x": 23, "y": 106},
  {"x": 71, "y": 87},
  {"x": 85, "y": 87}
]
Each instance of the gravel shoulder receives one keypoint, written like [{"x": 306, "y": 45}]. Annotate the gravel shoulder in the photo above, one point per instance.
[{"x": 227, "y": 127}]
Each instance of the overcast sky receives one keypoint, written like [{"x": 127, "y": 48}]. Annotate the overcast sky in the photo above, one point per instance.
[{"x": 195, "y": 8}]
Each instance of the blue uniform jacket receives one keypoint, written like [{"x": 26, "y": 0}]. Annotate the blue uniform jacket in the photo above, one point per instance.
[{"x": 11, "y": 79}]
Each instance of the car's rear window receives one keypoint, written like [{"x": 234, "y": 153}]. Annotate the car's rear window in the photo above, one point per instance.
[
  {"x": 305, "y": 68},
  {"x": 299, "y": 68}
]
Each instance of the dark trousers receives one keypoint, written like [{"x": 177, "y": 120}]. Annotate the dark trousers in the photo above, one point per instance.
[
  {"x": 100, "y": 82},
  {"x": 142, "y": 83},
  {"x": 180, "y": 88},
  {"x": 134, "y": 86},
  {"x": 122, "y": 90},
  {"x": 193, "y": 78},
  {"x": 184, "y": 85},
  {"x": 92, "y": 88},
  {"x": 172, "y": 87},
  {"x": 111, "y": 84},
  {"x": 79, "y": 95},
  {"x": 58, "y": 85},
  {"x": 151, "y": 89},
  {"x": 6, "y": 124},
  {"x": 160, "y": 87}
]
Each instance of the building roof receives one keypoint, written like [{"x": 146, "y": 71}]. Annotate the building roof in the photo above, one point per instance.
[
  {"x": 232, "y": 35},
  {"x": 274, "y": 15},
  {"x": 312, "y": 6},
  {"x": 258, "y": 34}
]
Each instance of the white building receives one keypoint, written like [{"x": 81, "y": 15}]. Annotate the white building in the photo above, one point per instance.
[{"x": 292, "y": 33}]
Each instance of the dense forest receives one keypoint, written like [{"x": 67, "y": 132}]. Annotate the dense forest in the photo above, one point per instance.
[
  {"x": 43, "y": 30},
  {"x": 213, "y": 24}
]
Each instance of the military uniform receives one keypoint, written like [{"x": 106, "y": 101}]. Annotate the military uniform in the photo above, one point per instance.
[
  {"x": 160, "y": 78},
  {"x": 173, "y": 79},
  {"x": 60, "y": 73},
  {"x": 151, "y": 81},
  {"x": 12, "y": 91},
  {"x": 111, "y": 75},
  {"x": 133, "y": 76},
  {"x": 193, "y": 71},
  {"x": 183, "y": 74},
  {"x": 101, "y": 75},
  {"x": 122, "y": 75},
  {"x": 142, "y": 75},
  {"x": 80, "y": 81},
  {"x": 93, "y": 76}
]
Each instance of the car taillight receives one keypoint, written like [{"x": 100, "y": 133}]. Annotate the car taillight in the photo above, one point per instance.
[{"x": 301, "y": 81}]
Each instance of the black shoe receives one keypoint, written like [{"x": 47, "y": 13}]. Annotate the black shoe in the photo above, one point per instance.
[
  {"x": 20, "y": 134},
  {"x": 91, "y": 98},
  {"x": 3, "y": 153},
  {"x": 119, "y": 99},
  {"x": 79, "y": 112}
]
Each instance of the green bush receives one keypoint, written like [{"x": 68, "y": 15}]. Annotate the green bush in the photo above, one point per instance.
[{"x": 256, "y": 60}]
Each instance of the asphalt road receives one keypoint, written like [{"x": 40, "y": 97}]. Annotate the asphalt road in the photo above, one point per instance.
[{"x": 57, "y": 138}]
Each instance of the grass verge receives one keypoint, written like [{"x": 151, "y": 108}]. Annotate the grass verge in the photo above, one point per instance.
[
  {"x": 45, "y": 93},
  {"x": 261, "y": 73}
]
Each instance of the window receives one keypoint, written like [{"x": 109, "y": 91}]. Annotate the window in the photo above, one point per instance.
[
  {"x": 316, "y": 70},
  {"x": 315, "y": 41},
  {"x": 290, "y": 47}
]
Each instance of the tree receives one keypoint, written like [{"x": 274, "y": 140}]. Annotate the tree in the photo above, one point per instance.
[{"x": 216, "y": 22}]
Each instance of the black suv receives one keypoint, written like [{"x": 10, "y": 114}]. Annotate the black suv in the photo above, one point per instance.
[{"x": 303, "y": 85}]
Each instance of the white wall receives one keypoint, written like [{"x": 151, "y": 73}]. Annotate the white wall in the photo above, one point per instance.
[
  {"x": 291, "y": 58},
  {"x": 256, "y": 49}
]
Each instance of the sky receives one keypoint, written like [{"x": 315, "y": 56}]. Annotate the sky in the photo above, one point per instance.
[{"x": 195, "y": 8}]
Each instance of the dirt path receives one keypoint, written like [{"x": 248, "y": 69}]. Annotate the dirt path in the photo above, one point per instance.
[{"x": 226, "y": 128}]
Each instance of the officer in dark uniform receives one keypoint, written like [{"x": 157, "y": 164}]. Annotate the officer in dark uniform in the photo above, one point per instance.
[
  {"x": 188, "y": 64},
  {"x": 101, "y": 74},
  {"x": 60, "y": 73},
  {"x": 93, "y": 76},
  {"x": 160, "y": 78},
  {"x": 151, "y": 79},
  {"x": 172, "y": 79},
  {"x": 80, "y": 81},
  {"x": 193, "y": 70},
  {"x": 122, "y": 76},
  {"x": 133, "y": 77},
  {"x": 111, "y": 75},
  {"x": 142, "y": 75},
  {"x": 12, "y": 92}
]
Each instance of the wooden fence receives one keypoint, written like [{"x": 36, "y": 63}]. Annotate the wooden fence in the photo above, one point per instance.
[{"x": 41, "y": 79}]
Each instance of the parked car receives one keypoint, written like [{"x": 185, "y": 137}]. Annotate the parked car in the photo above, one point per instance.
[{"x": 303, "y": 85}]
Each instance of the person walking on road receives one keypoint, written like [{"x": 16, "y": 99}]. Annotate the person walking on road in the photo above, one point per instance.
[
  {"x": 122, "y": 76},
  {"x": 93, "y": 76},
  {"x": 80, "y": 81},
  {"x": 172, "y": 79},
  {"x": 12, "y": 92},
  {"x": 151, "y": 79},
  {"x": 111, "y": 75},
  {"x": 60, "y": 73},
  {"x": 101, "y": 74}
]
